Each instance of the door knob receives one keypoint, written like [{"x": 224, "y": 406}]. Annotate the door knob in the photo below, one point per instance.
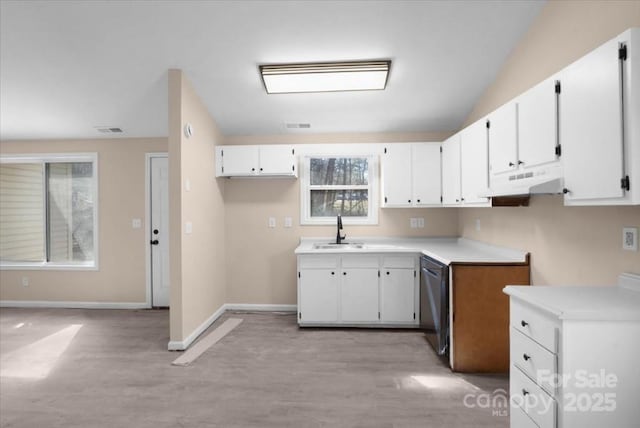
[{"x": 155, "y": 242}]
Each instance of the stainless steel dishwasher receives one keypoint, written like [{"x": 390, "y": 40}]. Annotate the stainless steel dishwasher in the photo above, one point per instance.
[{"x": 434, "y": 303}]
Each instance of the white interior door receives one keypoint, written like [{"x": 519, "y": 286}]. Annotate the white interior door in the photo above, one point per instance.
[{"x": 159, "y": 231}]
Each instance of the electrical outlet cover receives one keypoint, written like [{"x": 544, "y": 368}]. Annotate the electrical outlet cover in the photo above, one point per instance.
[
  {"x": 630, "y": 238},
  {"x": 413, "y": 223}
]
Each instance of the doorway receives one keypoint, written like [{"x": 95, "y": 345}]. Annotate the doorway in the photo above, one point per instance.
[{"x": 158, "y": 290}]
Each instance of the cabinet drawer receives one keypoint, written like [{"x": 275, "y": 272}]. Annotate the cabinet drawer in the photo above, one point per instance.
[
  {"x": 519, "y": 419},
  {"x": 408, "y": 262},
  {"x": 535, "y": 324},
  {"x": 530, "y": 398},
  {"x": 318, "y": 262},
  {"x": 534, "y": 360},
  {"x": 360, "y": 261}
]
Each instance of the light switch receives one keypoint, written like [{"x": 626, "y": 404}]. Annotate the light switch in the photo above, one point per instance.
[
  {"x": 188, "y": 228},
  {"x": 272, "y": 222},
  {"x": 136, "y": 223},
  {"x": 420, "y": 222},
  {"x": 288, "y": 222}
]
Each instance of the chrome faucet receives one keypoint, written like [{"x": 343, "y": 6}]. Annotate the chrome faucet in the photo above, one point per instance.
[{"x": 338, "y": 237}]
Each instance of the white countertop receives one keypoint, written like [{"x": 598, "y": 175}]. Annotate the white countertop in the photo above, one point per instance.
[
  {"x": 445, "y": 250},
  {"x": 607, "y": 303}
]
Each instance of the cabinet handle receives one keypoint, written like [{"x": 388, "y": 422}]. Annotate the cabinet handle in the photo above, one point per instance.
[
  {"x": 524, "y": 323},
  {"x": 253, "y": 169},
  {"x": 512, "y": 164},
  {"x": 409, "y": 200},
  {"x": 565, "y": 191},
  {"x": 525, "y": 392},
  {"x": 333, "y": 273},
  {"x": 388, "y": 272},
  {"x": 344, "y": 273},
  {"x": 457, "y": 200},
  {"x": 260, "y": 169},
  {"x": 520, "y": 162},
  {"x": 462, "y": 199},
  {"x": 418, "y": 200},
  {"x": 526, "y": 357}
]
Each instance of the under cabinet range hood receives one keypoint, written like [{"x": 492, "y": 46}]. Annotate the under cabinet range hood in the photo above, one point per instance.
[{"x": 541, "y": 180}]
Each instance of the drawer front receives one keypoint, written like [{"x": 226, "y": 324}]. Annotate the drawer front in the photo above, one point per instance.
[
  {"x": 537, "y": 362},
  {"x": 360, "y": 261},
  {"x": 535, "y": 324},
  {"x": 402, "y": 262},
  {"x": 519, "y": 419},
  {"x": 318, "y": 262},
  {"x": 531, "y": 399}
]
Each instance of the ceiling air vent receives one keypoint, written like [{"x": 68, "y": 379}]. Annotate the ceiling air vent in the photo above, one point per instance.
[
  {"x": 108, "y": 130},
  {"x": 297, "y": 125}
]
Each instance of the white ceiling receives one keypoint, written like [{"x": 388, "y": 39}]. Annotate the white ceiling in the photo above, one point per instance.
[{"x": 69, "y": 66}]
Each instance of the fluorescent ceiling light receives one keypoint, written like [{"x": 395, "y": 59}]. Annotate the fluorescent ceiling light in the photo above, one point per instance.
[{"x": 325, "y": 77}]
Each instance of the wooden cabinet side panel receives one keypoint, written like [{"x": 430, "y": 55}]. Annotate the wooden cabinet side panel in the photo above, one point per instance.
[{"x": 481, "y": 316}]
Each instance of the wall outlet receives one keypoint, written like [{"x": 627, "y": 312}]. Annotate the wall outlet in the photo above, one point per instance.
[
  {"x": 25, "y": 281},
  {"x": 477, "y": 225},
  {"x": 288, "y": 222},
  {"x": 630, "y": 238},
  {"x": 413, "y": 223},
  {"x": 272, "y": 222},
  {"x": 136, "y": 223},
  {"x": 420, "y": 222}
]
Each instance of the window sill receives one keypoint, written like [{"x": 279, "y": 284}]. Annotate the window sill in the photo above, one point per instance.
[{"x": 88, "y": 266}]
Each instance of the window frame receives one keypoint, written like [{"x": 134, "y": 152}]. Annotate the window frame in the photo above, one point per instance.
[
  {"x": 305, "y": 189},
  {"x": 59, "y": 158}
]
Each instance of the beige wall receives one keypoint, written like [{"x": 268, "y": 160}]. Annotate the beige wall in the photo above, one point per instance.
[
  {"x": 197, "y": 259},
  {"x": 568, "y": 244},
  {"x": 122, "y": 276},
  {"x": 261, "y": 266}
]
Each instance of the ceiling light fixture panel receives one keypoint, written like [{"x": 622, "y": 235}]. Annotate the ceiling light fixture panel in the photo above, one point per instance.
[{"x": 325, "y": 77}]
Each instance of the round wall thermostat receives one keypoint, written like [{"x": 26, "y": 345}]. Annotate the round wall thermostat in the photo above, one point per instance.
[{"x": 188, "y": 130}]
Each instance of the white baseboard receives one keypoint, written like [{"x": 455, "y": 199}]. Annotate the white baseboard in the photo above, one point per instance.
[
  {"x": 181, "y": 345},
  {"x": 260, "y": 308},
  {"x": 71, "y": 305}
]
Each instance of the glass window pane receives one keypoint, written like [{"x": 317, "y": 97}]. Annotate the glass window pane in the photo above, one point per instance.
[
  {"x": 339, "y": 171},
  {"x": 21, "y": 213},
  {"x": 70, "y": 207},
  {"x": 348, "y": 203}
]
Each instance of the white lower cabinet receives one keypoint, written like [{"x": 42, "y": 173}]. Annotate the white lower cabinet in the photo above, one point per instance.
[{"x": 358, "y": 289}]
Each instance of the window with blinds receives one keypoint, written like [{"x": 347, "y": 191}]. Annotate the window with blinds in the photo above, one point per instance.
[{"x": 47, "y": 212}]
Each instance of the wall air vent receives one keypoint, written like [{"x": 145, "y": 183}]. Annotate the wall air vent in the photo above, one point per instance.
[
  {"x": 108, "y": 130},
  {"x": 297, "y": 125}
]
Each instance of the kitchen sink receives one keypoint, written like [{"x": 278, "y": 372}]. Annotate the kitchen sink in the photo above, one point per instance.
[{"x": 342, "y": 246}]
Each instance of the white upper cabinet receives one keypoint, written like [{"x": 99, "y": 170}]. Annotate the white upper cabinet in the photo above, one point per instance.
[
  {"x": 451, "y": 185},
  {"x": 503, "y": 138},
  {"x": 256, "y": 161},
  {"x": 537, "y": 124},
  {"x": 599, "y": 129},
  {"x": 474, "y": 164},
  {"x": 411, "y": 175}
]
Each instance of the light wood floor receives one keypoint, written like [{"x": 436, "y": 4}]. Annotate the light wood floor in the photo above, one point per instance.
[{"x": 267, "y": 372}]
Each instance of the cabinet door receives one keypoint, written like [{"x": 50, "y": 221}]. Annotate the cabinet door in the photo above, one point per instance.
[
  {"x": 503, "y": 137},
  {"x": 277, "y": 160},
  {"x": 396, "y": 175},
  {"x": 537, "y": 124},
  {"x": 591, "y": 125},
  {"x": 474, "y": 163},
  {"x": 239, "y": 160},
  {"x": 451, "y": 170},
  {"x": 359, "y": 295},
  {"x": 397, "y": 295},
  {"x": 318, "y": 295},
  {"x": 426, "y": 168}
]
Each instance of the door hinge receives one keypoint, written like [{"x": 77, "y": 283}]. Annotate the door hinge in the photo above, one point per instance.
[
  {"x": 559, "y": 150},
  {"x": 558, "y": 88},
  {"x": 488, "y": 124},
  {"x": 622, "y": 53},
  {"x": 298, "y": 274},
  {"x": 441, "y": 198},
  {"x": 299, "y": 315},
  {"x": 385, "y": 150},
  {"x": 378, "y": 315},
  {"x": 414, "y": 274},
  {"x": 414, "y": 315},
  {"x": 385, "y": 199},
  {"x": 221, "y": 152},
  {"x": 293, "y": 167},
  {"x": 440, "y": 149},
  {"x": 378, "y": 274},
  {"x": 293, "y": 151},
  {"x": 625, "y": 183},
  {"x": 222, "y": 169}
]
